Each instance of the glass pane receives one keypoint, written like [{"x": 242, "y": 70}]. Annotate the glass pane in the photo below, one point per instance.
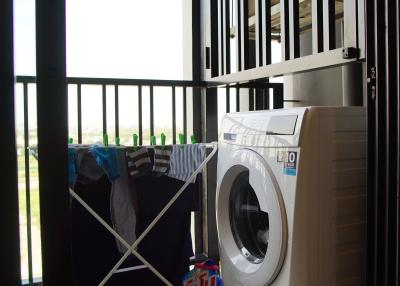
[{"x": 249, "y": 224}]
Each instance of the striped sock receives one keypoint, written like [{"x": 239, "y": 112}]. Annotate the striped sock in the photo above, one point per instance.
[
  {"x": 161, "y": 160},
  {"x": 138, "y": 161}
]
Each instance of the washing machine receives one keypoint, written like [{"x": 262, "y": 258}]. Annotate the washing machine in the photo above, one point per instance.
[{"x": 291, "y": 196}]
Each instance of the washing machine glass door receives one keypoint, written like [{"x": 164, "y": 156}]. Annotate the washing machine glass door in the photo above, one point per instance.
[
  {"x": 251, "y": 219},
  {"x": 250, "y": 225}
]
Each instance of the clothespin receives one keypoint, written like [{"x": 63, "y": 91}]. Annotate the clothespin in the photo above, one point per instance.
[
  {"x": 70, "y": 140},
  {"x": 153, "y": 140},
  {"x": 117, "y": 141},
  {"x": 193, "y": 139},
  {"x": 181, "y": 139},
  {"x": 163, "y": 137},
  {"x": 135, "y": 140},
  {"x": 105, "y": 140}
]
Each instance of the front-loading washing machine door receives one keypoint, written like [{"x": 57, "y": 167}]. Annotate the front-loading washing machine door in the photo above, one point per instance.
[{"x": 251, "y": 219}]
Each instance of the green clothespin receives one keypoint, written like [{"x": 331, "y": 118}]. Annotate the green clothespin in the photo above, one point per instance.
[
  {"x": 153, "y": 140},
  {"x": 193, "y": 139},
  {"x": 135, "y": 139},
  {"x": 117, "y": 141},
  {"x": 181, "y": 139},
  {"x": 105, "y": 140},
  {"x": 70, "y": 140},
  {"x": 163, "y": 137}
]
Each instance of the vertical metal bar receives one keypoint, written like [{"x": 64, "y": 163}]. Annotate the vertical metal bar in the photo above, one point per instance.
[
  {"x": 285, "y": 40},
  {"x": 398, "y": 143},
  {"x": 10, "y": 271},
  {"x": 79, "y": 110},
  {"x": 116, "y": 111},
  {"x": 317, "y": 26},
  {"x": 220, "y": 37},
  {"x": 104, "y": 104},
  {"x": 227, "y": 38},
  {"x": 350, "y": 23},
  {"x": 237, "y": 99},
  {"x": 278, "y": 96},
  {"x": 173, "y": 116},
  {"x": 238, "y": 35},
  {"x": 266, "y": 97},
  {"x": 329, "y": 24},
  {"x": 52, "y": 121},
  {"x": 252, "y": 92},
  {"x": 184, "y": 114},
  {"x": 27, "y": 182},
  {"x": 294, "y": 22},
  {"x": 151, "y": 111},
  {"x": 228, "y": 99},
  {"x": 259, "y": 25},
  {"x": 380, "y": 143},
  {"x": 214, "y": 37},
  {"x": 259, "y": 99},
  {"x": 244, "y": 29},
  {"x": 140, "y": 115},
  {"x": 266, "y": 32},
  {"x": 392, "y": 132}
]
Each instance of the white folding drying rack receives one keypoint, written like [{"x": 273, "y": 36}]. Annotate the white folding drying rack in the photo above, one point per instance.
[{"x": 132, "y": 248}]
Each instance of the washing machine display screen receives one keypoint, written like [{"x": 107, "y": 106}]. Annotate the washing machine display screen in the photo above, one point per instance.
[{"x": 250, "y": 225}]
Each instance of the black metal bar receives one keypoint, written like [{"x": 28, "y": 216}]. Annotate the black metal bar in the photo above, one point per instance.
[
  {"x": 79, "y": 109},
  {"x": 10, "y": 272},
  {"x": 237, "y": 99},
  {"x": 151, "y": 111},
  {"x": 266, "y": 97},
  {"x": 116, "y": 111},
  {"x": 252, "y": 92},
  {"x": 104, "y": 104},
  {"x": 259, "y": 28},
  {"x": 221, "y": 46},
  {"x": 317, "y": 26},
  {"x": 266, "y": 30},
  {"x": 52, "y": 122},
  {"x": 122, "y": 81},
  {"x": 294, "y": 23},
  {"x": 238, "y": 35},
  {"x": 27, "y": 183},
  {"x": 329, "y": 24},
  {"x": 398, "y": 144},
  {"x": 227, "y": 38},
  {"x": 140, "y": 115},
  {"x": 173, "y": 116},
  {"x": 184, "y": 115},
  {"x": 372, "y": 209},
  {"x": 228, "y": 99},
  {"x": 214, "y": 24},
  {"x": 244, "y": 29},
  {"x": 278, "y": 97},
  {"x": 285, "y": 39},
  {"x": 392, "y": 131}
]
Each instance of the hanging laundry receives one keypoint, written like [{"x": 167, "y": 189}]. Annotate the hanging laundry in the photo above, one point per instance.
[
  {"x": 123, "y": 204},
  {"x": 106, "y": 158},
  {"x": 86, "y": 166},
  {"x": 185, "y": 160},
  {"x": 72, "y": 168},
  {"x": 161, "y": 160},
  {"x": 139, "y": 162}
]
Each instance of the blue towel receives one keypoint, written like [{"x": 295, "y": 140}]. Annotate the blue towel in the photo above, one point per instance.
[{"x": 106, "y": 158}]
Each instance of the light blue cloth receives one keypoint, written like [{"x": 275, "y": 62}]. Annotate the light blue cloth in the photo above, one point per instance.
[
  {"x": 106, "y": 158},
  {"x": 185, "y": 159}
]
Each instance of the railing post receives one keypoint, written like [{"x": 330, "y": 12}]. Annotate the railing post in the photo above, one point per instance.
[{"x": 9, "y": 239}]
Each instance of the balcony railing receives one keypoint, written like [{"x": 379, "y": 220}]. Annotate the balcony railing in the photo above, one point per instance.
[{"x": 145, "y": 97}]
